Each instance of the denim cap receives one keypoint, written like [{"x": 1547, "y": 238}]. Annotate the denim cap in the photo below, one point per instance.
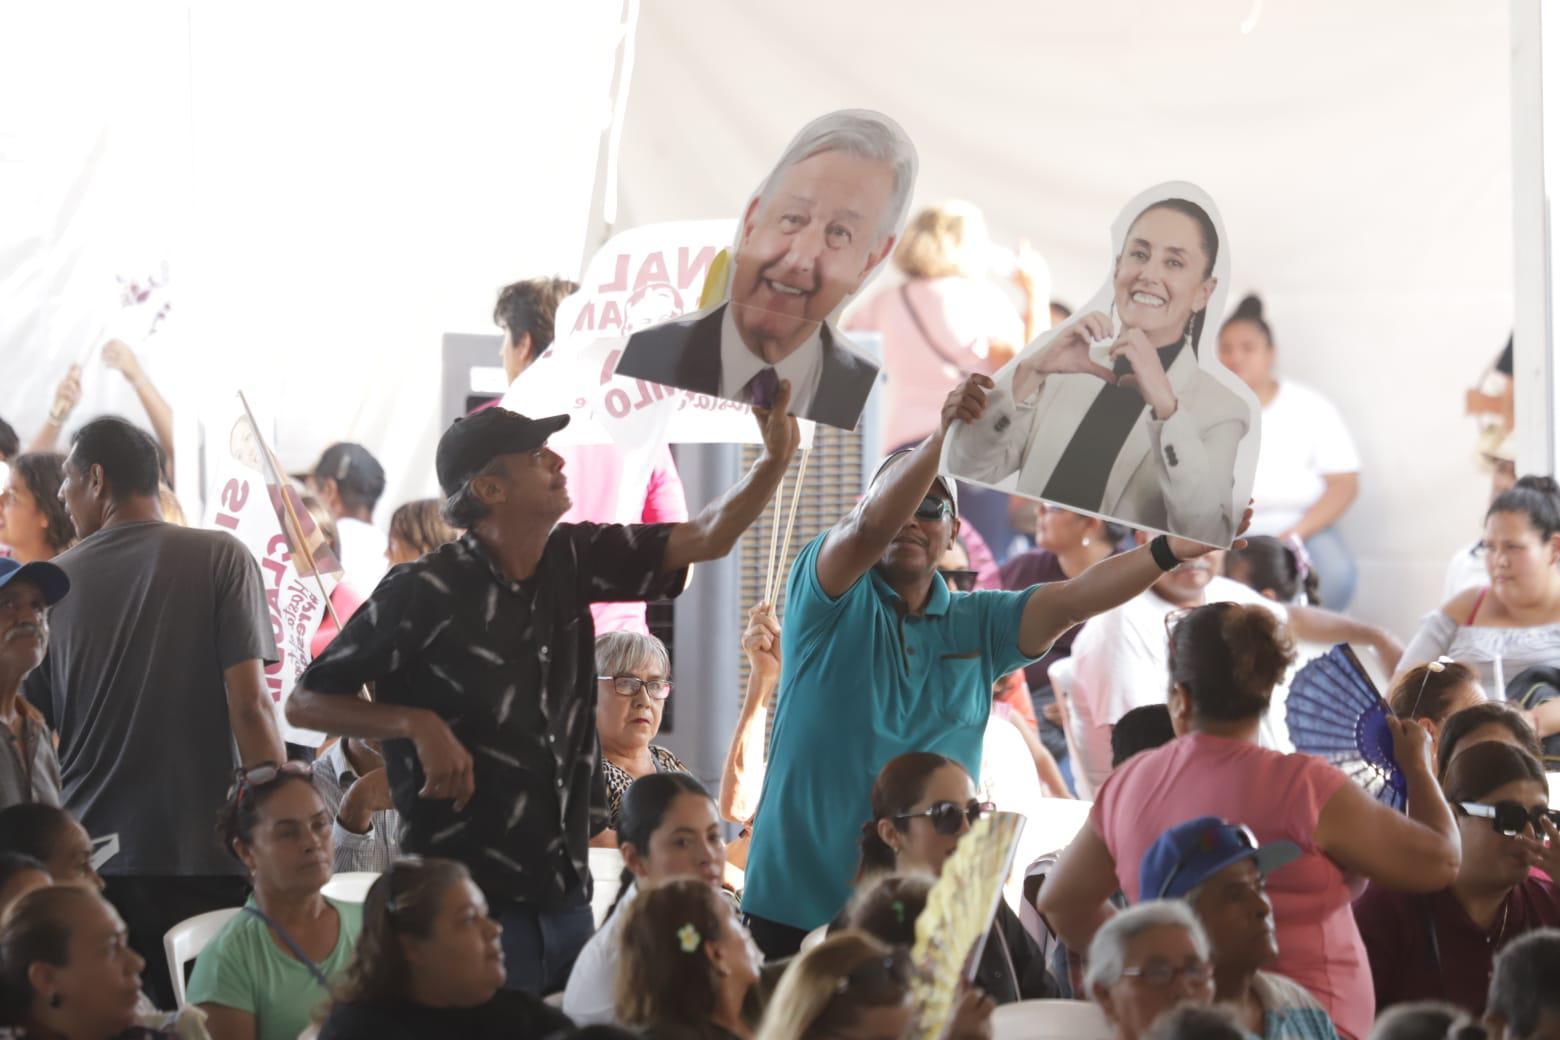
[{"x": 1188, "y": 854}]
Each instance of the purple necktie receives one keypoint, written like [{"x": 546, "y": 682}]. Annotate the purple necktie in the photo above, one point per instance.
[{"x": 760, "y": 391}]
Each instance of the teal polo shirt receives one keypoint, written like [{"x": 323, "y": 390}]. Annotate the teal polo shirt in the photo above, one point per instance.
[{"x": 863, "y": 682}]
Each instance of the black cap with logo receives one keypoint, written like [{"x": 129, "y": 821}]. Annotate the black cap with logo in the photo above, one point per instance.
[{"x": 474, "y": 441}]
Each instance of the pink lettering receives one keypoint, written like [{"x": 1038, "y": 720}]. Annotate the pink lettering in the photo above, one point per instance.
[
  {"x": 688, "y": 270},
  {"x": 651, "y": 272},
  {"x": 619, "y": 282}
]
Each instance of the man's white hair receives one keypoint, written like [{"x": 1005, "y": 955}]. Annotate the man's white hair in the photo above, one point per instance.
[
  {"x": 1108, "y": 951},
  {"x": 867, "y": 135}
]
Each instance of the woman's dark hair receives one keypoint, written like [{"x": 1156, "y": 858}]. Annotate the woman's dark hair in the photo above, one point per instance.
[
  {"x": 1486, "y": 766},
  {"x": 240, "y": 814},
  {"x": 1141, "y": 729},
  {"x": 642, "y": 811},
  {"x": 419, "y": 525},
  {"x": 43, "y": 472},
  {"x": 886, "y": 907},
  {"x": 10, "y": 444},
  {"x": 1264, "y": 563},
  {"x": 32, "y": 829},
  {"x": 1537, "y": 498},
  {"x": 37, "y": 929},
  {"x": 404, "y": 900},
  {"x": 664, "y": 976},
  {"x": 1195, "y": 1022},
  {"x": 1210, "y": 243},
  {"x": 1228, "y": 657},
  {"x": 1250, "y": 310},
  {"x": 129, "y": 457},
  {"x": 529, "y": 307},
  {"x": 1426, "y": 690},
  {"x": 899, "y": 785},
  {"x": 14, "y": 863},
  {"x": 1526, "y": 983},
  {"x": 1427, "y": 1020},
  {"x": 1464, "y": 722}
]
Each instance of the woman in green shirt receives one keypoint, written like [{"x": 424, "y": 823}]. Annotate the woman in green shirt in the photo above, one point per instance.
[{"x": 268, "y": 969}]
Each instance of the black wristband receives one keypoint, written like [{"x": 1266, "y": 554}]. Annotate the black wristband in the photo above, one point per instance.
[{"x": 1159, "y": 549}]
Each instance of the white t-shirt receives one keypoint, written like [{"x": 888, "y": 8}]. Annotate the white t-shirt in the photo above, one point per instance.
[
  {"x": 1303, "y": 441},
  {"x": 1466, "y": 570},
  {"x": 590, "y": 996},
  {"x": 1122, "y": 661},
  {"x": 362, "y": 553}
]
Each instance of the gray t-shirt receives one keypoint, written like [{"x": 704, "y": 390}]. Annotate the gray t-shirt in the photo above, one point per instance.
[{"x": 133, "y": 685}]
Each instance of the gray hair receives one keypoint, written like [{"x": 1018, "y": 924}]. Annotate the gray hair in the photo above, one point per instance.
[
  {"x": 1108, "y": 951},
  {"x": 623, "y": 653},
  {"x": 465, "y": 507},
  {"x": 867, "y": 135}
]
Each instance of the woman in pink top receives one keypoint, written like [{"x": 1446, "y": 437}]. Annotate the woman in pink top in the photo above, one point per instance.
[
  {"x": 947, "y": 320},
  {"x": 1224, "y": 661}
]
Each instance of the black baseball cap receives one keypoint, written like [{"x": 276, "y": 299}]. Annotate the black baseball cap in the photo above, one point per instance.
[
  {"x": 940, "y": 482},
  {"x": 353, "y": 468},
  {"x": 474, "y": 441}
]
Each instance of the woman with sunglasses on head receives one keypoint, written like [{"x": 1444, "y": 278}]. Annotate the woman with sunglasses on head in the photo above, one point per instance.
[
  {"x": 848, "y": 986},
  {"x": 668, "y": 827},
  {"x": 269, "y": 967},
  {"x": 429, "y": 965},
  {"x": 1224, "y": 661},
  {"x": 922, "y": 804},
  {"x": 633, "y": 682},
  {"x": 1443, "y": 945},
  {"x": 687, "y": 964}
]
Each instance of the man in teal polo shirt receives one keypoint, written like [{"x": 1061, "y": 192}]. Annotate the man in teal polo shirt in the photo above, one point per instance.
[{"x": 880, "y": 659}]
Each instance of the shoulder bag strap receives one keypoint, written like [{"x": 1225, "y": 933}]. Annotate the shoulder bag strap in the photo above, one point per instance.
[
  {"x": 904, "y": 296},
  {"x": 292, "y": 945}
]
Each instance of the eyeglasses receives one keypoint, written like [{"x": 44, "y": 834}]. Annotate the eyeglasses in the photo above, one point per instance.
[
  {"x": 946, "y": 816},
  {"x": 630, "y": 685},
  {"x": 933, "y": 508},
  {"x": 1511, "y": 818},
  {"x": 258, "y": 776},
  {"x": 959, "y": 580},
  {"x": 1160, "y": 974},
  {"x": 1242, "y": 833}
]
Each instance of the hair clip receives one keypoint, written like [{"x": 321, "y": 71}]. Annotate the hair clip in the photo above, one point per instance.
[
  {"x": 1431, "y": 668},
  {"x": 1302, "y": 557},
  {"x": 688, "y": 938},
  {"x": 898, "y": 906}
]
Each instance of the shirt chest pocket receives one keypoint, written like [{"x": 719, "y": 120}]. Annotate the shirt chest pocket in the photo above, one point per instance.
[{"x": 964, "y": 696}]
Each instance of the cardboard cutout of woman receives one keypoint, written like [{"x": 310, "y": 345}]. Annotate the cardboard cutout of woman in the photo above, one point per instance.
[
  {"x": 1124, "y": 411},
  {"x": 817, "y": 229}
]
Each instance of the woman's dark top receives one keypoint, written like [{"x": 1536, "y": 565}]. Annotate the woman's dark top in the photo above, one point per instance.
[
  {"x": 508, "y": 1014},
  {"x": 708, "y": 1031}
]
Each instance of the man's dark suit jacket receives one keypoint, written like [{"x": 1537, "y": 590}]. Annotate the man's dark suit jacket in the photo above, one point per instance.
[{"x": 685, "y": 353}]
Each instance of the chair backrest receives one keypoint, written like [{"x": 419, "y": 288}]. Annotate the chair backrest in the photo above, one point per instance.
[
  {"x": 186, "y": 939},
  {"x": 1054, "y": 822},
  {"x": 606, "y": 872},
  {"x": 1554, "y": 788},
  {"x": 350, "y": 886},
  {"x": 1050, "y": 1020}
]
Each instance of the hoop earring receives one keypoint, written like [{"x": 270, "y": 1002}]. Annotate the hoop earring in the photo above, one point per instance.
[
  {"x": 1085, "y": 541},
  {"x": 1187, "y": 341}
]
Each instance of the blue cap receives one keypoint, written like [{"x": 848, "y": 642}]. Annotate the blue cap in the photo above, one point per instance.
[
  {"x": 1190, "y": 853},
  {"x": 51, "y": 581}
]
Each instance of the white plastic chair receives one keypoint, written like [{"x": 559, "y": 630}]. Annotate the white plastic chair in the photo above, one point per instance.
[
  {"x": 606, "y": 872},
  {"x": 350, "y": 886},
  {"x": 814, "y": 937},
  {"x": 1554, "y": 788},
  {"x": 1055, "y": 822},
  {"x": 186, "y": 939},
  {"x": 1050, "y": 1020}
]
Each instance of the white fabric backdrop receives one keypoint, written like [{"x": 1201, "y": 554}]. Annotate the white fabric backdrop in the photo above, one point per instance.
[
  {"x": 334, "y": 187},
  {"x": 1360, "y": 155}
]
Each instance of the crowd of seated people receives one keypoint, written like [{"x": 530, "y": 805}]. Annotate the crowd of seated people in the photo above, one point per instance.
[{"x": 490, "y": 731}]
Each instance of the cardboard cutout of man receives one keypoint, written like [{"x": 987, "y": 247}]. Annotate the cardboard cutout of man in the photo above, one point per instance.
[
  {"x": 816, "y": 230},
  {"x": 1123, "y": 412}
]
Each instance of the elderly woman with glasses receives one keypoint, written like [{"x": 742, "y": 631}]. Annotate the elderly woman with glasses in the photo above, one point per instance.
[
  {"x": 270, "y": 966},
  {"x": 633, "y": 681},
  {"x": 1147, "y": 961}
]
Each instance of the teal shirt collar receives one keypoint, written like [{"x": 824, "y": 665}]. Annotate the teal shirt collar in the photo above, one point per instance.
[{"x": 937, "y": 600}]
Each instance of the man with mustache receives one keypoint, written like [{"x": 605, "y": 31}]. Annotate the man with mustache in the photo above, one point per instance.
[
  {"x": 879, "y": 658},
  {"x": 817, "y": 229},
  {"x": 29, "y": 770},
  {"x": 1121, "y": 658}
]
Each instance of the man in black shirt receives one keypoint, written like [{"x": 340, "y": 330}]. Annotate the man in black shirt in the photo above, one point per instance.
[{"x": 482, "y": 656}]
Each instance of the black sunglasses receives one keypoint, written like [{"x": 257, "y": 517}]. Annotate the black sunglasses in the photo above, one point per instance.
[
  {"x": 946, "y": 816},
  {"x": 933, "y": 508},
  {"x": 1511, "y": 818},
  {"x": 960, "y": 580}
]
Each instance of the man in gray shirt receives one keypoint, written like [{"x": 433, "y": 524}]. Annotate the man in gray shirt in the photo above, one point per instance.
[{"x": 155, "y": 682}]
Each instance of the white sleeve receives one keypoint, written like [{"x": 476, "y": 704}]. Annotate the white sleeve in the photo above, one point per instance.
[
  {"x": 588, "y": 998},
  {"x": 1334, "y": 448}
]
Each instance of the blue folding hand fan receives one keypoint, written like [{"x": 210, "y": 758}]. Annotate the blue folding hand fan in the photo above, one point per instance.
[{"x": 1335, "y": 713}]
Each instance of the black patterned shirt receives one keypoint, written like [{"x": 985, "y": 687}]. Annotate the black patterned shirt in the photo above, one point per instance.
[{"x": 510, "y": 665}]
